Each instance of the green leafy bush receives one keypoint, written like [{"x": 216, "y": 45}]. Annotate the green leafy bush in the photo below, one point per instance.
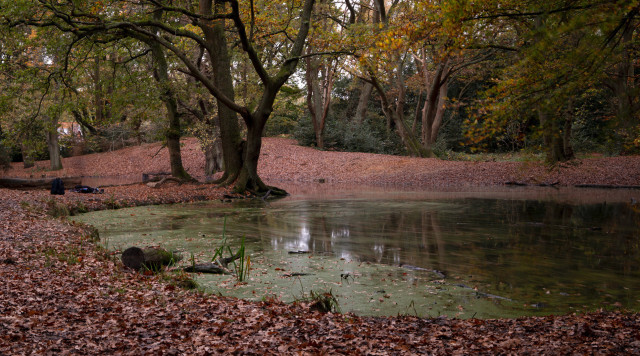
[{"x": 350, "y": 136}]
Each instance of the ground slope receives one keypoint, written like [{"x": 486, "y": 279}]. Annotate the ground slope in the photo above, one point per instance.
[{"x": 282, "y": 160}]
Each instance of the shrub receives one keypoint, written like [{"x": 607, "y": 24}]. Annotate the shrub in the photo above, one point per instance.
[
  {"x": 345, "y": 135},
  {"x": 5, "y": 157}
]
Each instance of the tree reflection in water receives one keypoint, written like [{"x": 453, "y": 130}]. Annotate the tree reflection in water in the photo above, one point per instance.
[
  {"x": 520, "y": 247},
  {"x": 536, "y": 252}
]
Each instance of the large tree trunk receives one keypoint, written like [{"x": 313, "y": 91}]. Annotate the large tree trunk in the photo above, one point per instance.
[
  {"x": 553, "y": 139},
  {"x": 249, "y": 178},
  {"x": 243, "y": 160},
  {"x": 214, "y": 160},
  {"x": 363, "y": 102},
  {"x": 230, "y": 135},
  {"x": 161, "y": 73},
  {"x": 624, "y": 82}
]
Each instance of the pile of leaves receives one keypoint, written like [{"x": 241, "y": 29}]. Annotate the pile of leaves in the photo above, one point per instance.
[{"x": 63, "y": 294}]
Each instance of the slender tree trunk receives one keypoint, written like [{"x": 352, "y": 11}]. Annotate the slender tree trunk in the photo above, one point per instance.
[
  {"x": 98, "y": 102},
  {"x": 433, "y": 110},
  {"x": 432, "y": 115},
  {"x": 313, "y": 99},
  {"x": 416, "y": 115},
  {"x": 567, "y": 147},
  {"x": 53, "y": 145},
  {"x": 437, "y": 122},
  {"x": 27, "y": 159},
  {"x": 318, "y": 94}
]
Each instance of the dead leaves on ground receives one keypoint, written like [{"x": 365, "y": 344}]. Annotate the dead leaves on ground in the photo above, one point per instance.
[{"x": 62, "y": 295}]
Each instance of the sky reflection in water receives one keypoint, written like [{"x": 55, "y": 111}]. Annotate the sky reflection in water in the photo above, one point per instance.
[{"x": 545, "y": 256}]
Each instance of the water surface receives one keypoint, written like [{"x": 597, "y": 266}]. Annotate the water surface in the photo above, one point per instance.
[{"x": 424, "y": 253}]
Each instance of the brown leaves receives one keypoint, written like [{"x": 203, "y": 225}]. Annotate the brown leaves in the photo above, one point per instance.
[{"x": 62, "y": 295}]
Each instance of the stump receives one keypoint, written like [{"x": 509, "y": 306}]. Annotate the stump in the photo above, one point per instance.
[{"x": 149, "y": 258}]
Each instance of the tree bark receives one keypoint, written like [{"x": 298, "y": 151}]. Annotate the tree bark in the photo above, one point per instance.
[
  {"x": 161, "y": 74},
  {"x": 553, "y": 140},
  {"x": 53, "y": 144},
  {"x": 433, "y": 110},
  {"x": 411, "y": 143},
  {"x": 230, "y": 136},
  {"x": 214, "y": 159},
  {"x": 624, "y": 81},
  {"x": 363, "y": 102},
  {"x": 318, "y": 94},
  {"x": 567, "y": 147},
  {"x": 248, "y": 178}
]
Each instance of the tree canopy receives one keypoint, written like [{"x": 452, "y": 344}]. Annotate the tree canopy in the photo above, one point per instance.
[{"x": 420, "y": 77}]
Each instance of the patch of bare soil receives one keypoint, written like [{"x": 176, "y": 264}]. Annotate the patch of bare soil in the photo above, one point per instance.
[{"x": 61, "y": 294}]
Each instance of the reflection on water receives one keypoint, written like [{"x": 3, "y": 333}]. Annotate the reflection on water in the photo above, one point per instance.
[
  {"x": 546, "y": 256},
  {"x": 526, "y": 249}
]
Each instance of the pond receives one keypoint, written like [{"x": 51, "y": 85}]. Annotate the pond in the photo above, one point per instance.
[{"x": 506, "y": 253}]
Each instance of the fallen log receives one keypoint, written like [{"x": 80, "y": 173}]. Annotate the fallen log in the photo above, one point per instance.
[
  {"x": 22, "y": 183},
  {"x": 152, "y": 258},
  {"x": 212, "y": 268},
  {"x": 217, "y": 267}
]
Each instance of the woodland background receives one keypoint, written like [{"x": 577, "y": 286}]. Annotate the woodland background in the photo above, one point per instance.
[{"x": 408, "y": 77}]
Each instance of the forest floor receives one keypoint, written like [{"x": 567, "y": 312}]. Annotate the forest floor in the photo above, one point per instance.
[{"x": 63, "y": 294}]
